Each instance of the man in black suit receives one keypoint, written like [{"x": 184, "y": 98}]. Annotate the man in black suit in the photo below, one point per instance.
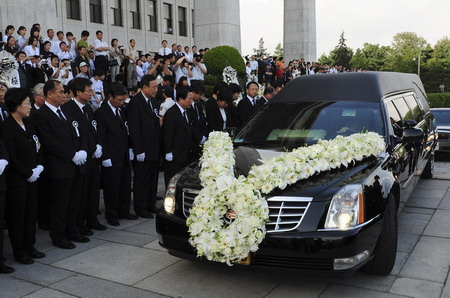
[
  {"x": 24, "y": 71},
  {"x": 89, "y": 194},
  {"x": 247, "y": 106},
  {"x": 116, "y": 171},
  {"x": 144, "y": 125},
  {"x": 3, "y": 163},
  {"x": 269, "y": 92},
  {"x": 199, "y": 124},
  {"x": 64, "y": 151},
  {"x": 177, "y": 134}
]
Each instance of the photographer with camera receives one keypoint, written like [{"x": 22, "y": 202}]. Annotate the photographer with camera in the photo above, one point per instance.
[
  {"x": 65, "y": 72},
  {"x": 198, "y": 71},
  {"x": 183, "y": 69},
  {"x": 158, "y": 67}
]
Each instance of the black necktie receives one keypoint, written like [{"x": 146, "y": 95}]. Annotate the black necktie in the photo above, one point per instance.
[
  {"x": 86, "y": 112},
  {"x": 60, "y": 114},
  {"x": 118, "y": 115},
  {"x": 185, "y": 117},
  {"x": 150, "y": 105}
]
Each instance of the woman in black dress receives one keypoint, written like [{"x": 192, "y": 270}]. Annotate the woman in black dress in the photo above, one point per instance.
[
  {"x": 10, "y": 45},
  {"x": 25, "y": 166}
]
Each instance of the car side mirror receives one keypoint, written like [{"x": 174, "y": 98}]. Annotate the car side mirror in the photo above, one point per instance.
[
  {"x": 410, "y": 123},
  {"x": 412, "y": 135}
]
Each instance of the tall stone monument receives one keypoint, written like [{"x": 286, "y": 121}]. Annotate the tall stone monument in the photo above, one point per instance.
[
  {"x": 217, "y": 23},
  {"x": 299, "y": 30}
]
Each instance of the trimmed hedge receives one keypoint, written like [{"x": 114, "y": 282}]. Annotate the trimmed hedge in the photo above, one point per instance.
[
  {"x": 220, "y": 57},
  {"x": 439, "y": 100}
]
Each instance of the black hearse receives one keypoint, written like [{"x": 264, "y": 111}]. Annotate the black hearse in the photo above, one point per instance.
[{"x": 304, "y": 232}]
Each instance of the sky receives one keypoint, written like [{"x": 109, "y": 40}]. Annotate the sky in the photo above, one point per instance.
[{"x": 361, "y": 20}]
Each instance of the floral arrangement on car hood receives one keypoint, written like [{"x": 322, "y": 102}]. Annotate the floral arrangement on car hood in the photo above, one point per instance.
[{"x": 227, "y": 219}]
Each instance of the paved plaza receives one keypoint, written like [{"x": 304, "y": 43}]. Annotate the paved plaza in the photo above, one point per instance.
[{"x": 127, "y": 261}]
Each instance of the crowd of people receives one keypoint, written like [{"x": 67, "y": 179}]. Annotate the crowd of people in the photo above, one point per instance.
[{"x": 81, "y": 123}]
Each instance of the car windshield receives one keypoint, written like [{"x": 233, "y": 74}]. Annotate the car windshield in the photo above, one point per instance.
[
  {"x": 291, "y": 125},
  {"x": 442, "y": 117}
]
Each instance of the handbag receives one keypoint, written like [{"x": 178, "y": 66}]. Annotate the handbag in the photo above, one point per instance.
[{"x": 113, "y": 62}]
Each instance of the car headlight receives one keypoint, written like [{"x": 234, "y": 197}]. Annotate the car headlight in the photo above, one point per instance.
[
  {"x": 169, "y": 200},
  {"x": 346, "y": 208}
]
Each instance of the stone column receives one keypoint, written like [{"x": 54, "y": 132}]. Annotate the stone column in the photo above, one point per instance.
[
  {"x": 299, "y": 30},
  {"x": 217, "y": 23}
]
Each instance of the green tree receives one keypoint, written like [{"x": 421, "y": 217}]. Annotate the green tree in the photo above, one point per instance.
[
  {"x": 324, "y": 59},
  {"x": 261, "y": 50},
  {"x": 406, "y": 48},
  {"x": 279, "y": 52},
  {"x": 342, "y": 54},
  {"x": 436, "y": 69},
  {"x": 371, "y": 57}
]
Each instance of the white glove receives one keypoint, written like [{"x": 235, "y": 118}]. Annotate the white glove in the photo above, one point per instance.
[
  {"x": 169, "y": 156},
  {"x": 34, "y": 176},
  {"x": 3, "y": 164},
  {"x": 140, "y": 157},
  {"x": 131, "y": 154},
  {"x": 98, "y": 151},
  {"x": 80, "y": 157},
  {"x": 203, "y": 140},
  {"x": 40, "y": 169},
  {"x": 107, "y": 163}
]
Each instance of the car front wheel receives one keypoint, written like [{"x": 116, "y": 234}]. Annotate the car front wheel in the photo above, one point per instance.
[{"x": 386, "y": 248}]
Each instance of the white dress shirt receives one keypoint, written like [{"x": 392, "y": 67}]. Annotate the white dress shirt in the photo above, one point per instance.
[
  {"x": 55, "y": 109},
  {"x": 100, "y": 44},
  {"x": 165, "y": 51}
]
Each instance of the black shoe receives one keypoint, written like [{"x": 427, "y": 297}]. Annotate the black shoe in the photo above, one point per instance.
[
  {"x": 153, "y": 209},
  {"x": 26, "y": 260},
  {"x": 114, "y": 222},
  {"x": 35, "y": 254},
  {"x": 79, "y": 239},
  {"x": 6, "y": 269},
  {"x": 85, "y": 231},
  {"x": 64, "y": 244},
  {"x": 97, "y": 226},
  {"x": 128, "y": 216},
  {"x": 144, "y": 214}
]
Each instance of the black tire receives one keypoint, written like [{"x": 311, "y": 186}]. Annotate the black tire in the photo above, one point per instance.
[
  {"x": 429, "y": 168},
  {"x": 386, "y": 248}
]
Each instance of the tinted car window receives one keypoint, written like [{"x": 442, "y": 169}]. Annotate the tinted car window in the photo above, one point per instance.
[
  {"x": 393, "y": 113},
  {"x": 403, "y": 109},
  {"x": 290, "y": 125},
  {"x": 413, "y": 105}
]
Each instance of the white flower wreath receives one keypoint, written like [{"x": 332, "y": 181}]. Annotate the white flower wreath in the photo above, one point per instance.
[
  {"x": 227, "y": 219},
  {"x": 229, "y": 75}
]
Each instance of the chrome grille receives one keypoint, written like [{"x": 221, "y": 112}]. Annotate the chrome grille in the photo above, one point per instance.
[
  {"x": 286, "y": 213},
  {"x": 189, "y": 195}
]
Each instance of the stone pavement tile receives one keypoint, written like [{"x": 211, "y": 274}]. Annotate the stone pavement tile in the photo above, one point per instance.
[
  {"x": 446, "y": 290},
  {"x": 147, "y": 228},
  {"x": 426, "y": 198},
  {"x": 86, "y": 286},
  {"x": 118, "y": 262},
  {"x": 40, "y": 273},
  {"x": 416, "y": 288},
  {"x": 441, "y": 175},
  {"x": 445, "y": 203},
  {"x": 412, "y": 223},
  {"x": 13, "y": 287},
  {"x": 407, "y": 242},
  {"x": 371, "y": 282},
  {"x": 155, "y": 246},
  {"x": 194, "y": 279},
  {"x": 48, "y": 293},
  {"x": 124, "y": 237},
  {"x": 400, "y": 260},
  {"x": 336, "y": 291},
  {"x": 418, "y": 210},
  {"x": 433, "y": 184},
  {"x": 439, "y": 224},
  {"x": 429, "y": 260},
  {"x": 299, "y": 287},
  {"x": 56, "y": 254}
]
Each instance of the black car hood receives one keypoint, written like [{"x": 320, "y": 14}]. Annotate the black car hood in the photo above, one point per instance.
[{"x": 320, "y": 186}]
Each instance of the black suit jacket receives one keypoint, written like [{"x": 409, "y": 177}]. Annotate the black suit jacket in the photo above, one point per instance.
[
  {"x": 4, "y": 112},
  {"x": 261, "y": 102},
  {"x": 60, "y": 142},
  {"x": 24, "y": 151},
  {"x": 245, "y": 110},
  {"x": 3, "y": 155},
  {"x": 197, "y": 116},
  {"x": 214, "y": 117},
  {"x": 112, "y": 136},
  {"x": 177, "y": 135},
  {"x": 87, "y": 127},
  {"x": 144, "y": 127}
]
